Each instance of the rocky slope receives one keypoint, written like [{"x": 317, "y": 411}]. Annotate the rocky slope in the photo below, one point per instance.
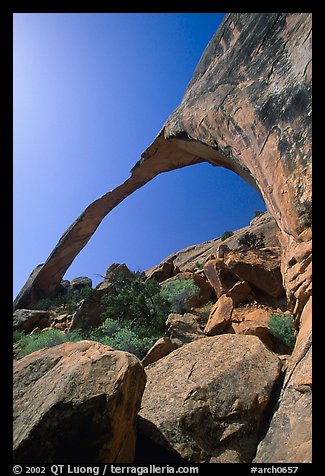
[{"x": 247, "y": 108}]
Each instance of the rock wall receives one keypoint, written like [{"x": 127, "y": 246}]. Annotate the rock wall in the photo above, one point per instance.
[{"x": 247, "y": 108}]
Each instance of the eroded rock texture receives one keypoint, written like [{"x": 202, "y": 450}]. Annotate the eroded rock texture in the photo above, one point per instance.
[
  {"x": 207, "y": 398},
  {"x": 76, "y": 403},
  {"x": 247, "y": 108}
]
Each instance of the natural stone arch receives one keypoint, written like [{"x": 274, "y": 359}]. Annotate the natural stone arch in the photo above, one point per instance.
[{"x": 247, "y": 108}]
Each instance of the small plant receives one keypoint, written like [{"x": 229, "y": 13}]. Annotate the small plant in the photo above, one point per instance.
[
  {"x": 29, "y": 344},
  {"x": 69, "y": 300},
  {"x": 179, "y": 293},
  {"x": 252, "y": 241},
  {"x": 226, "y": 235},
  {"x": 199, "y": 264},
  {"x": 257, "y": 213},
  {"x": 281, "y": 327}
]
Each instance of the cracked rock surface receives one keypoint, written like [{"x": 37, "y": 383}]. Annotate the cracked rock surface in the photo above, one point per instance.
[{"x": 207, "y": 398}]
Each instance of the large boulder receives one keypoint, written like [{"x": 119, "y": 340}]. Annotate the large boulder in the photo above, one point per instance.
[
  {"x": 80, "y": 283},
  {"x": 207, "y": 398},
  {"x": 220, "y": 316},
  {"x": 163, "y": 271},
  {"x": 28, "y": 319},
  {"x": 88, "y": 313},
  {"x": 259, "y": 267},
  {"x": 76, "y": 403}
]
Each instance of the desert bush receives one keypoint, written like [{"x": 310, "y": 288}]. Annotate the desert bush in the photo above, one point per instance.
[
  {"x": 281, "y": 327},
  {"x": 29, "y": 344},
  {"x": 199, "y": 265},
  {"x": 123, "y": 335},
  {"x": 226, "y": 235},
  {"x": 69, "y": 300},
  {"x": 252, "y": 241},
  {"x": 179, "y": 293},
  {"x": 257, "y": 213},
  {"x": 137, "y": 300}
]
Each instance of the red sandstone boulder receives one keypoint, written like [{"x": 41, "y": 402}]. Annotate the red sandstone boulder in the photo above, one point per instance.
[
  {"x": 220, "y": 316},
  {"x": 76, "y": 403},
  {"x": 259, "y": 267},
  {"x": 206, "y": 399}
]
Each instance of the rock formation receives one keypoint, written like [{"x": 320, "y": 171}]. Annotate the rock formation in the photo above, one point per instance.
[
  {"x": 246, "y": 108},
  {"x": 207, "y": 398},
  {"x": 76, "y": 403}
]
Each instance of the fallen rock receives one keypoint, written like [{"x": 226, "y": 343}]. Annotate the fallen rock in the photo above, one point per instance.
[
  {"x": 76, "y": 403},
  {"x": 220, "y": 316},
  {"x": 219, "y": 276},
  {"x": 183, "y": 328},
  {"x": 207, "y": 398},
  {"x": 111, "y": 274},
  {"x": 241, "y": 293},
  {"x": 259, "y": 267},
  {"x": 162, "y": 347},
  {"x": 80, "y": 283},
  {"x": 162, "y": 272},
  {"x": 87, "y": 314},
  {"x": 27, "y": 319}
]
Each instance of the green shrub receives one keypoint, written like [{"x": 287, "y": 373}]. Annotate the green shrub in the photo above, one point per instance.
[
  {"x": 122, "y": 335},
  {"x": 252, "y": 241},
  {"x": 281, "y": 327},
  {"x": 199, "y": 265},
  {"x": 69, "y": 300},
  {"x": 179, "y": 293},
  {"x": 137, "y": 300},
  {"x": 29, "y": 344},
  {"x": 257, "y": 213},
  {"x": 18, "y": 335},
  {"x": 226, "y": 235}
]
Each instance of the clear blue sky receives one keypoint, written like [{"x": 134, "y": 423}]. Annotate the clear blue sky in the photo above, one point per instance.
[{"x": 91, "y": 92}]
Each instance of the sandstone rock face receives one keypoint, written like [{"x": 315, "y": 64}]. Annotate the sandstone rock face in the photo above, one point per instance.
[
  {"x": 254, "y": 321},
  {"x": 241, "y": 293},
  {"x": 289, "y": 439},
  {"x": 207, "y": 398},
  {"x": 163, "y": 271},
  {"x": 247, "y": 108},
  {"x": 76, "y": 403}
]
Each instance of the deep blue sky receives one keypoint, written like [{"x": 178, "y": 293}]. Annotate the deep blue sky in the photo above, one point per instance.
[{"x": 91, "y": 92}]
